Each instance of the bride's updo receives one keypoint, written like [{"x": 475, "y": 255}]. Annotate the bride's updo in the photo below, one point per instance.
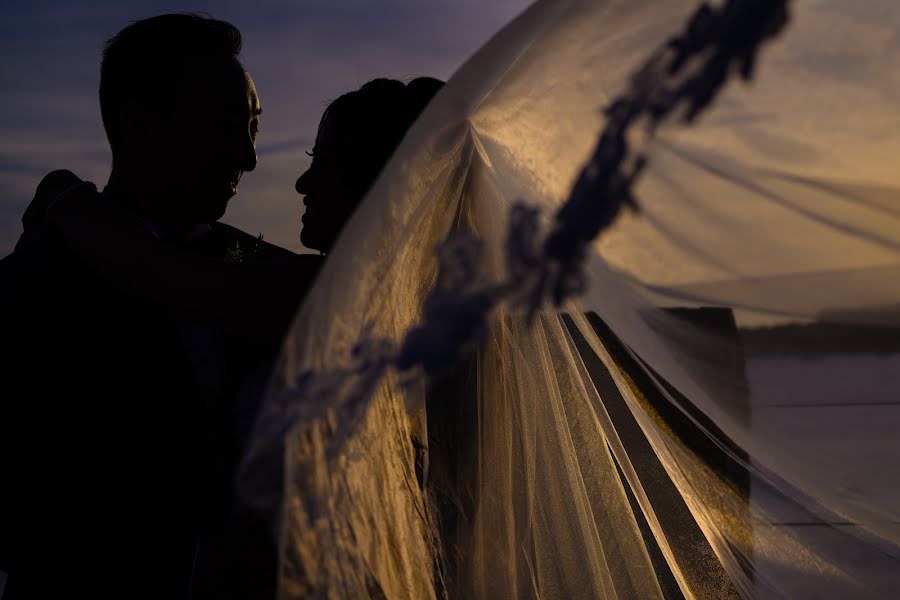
[{"x": 357, "y": 134}]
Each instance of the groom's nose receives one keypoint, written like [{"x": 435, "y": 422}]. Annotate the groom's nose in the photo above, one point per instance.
[
  {"x": 247, "y": 154},
  {"x": 241, "y": 151}
]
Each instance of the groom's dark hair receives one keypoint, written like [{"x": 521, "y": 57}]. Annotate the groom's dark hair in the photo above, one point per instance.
[{"x": 141, "y": 59}]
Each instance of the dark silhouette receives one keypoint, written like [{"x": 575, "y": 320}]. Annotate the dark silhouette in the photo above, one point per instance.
[
  {"x": 252, "y": 301},
  {"x": 110, "y": 469},
  {"x": 357, "y": 134},
  {"x": 181, "y": 115},
  {"x": 151, "y": 255}
]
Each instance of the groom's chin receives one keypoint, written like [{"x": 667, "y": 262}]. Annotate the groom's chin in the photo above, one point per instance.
[{"x": 216, "y": 208}]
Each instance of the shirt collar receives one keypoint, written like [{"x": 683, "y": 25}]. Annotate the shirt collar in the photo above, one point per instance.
[{"x": 157, "y": 231}]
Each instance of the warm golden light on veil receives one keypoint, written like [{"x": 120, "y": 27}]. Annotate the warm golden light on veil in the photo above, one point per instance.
[{"x": 634, "y": 441}]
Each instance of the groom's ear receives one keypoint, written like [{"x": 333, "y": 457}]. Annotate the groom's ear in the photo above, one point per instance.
[{"x": 135, "y": 127}]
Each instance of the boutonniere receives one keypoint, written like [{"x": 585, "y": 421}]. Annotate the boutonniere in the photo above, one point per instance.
[{"x": 248, "y": 251}]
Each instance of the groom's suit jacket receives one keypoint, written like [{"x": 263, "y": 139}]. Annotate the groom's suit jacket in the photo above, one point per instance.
[{"x": 106, "y": 471}]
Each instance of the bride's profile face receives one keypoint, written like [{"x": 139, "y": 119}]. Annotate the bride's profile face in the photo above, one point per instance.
[{"x": 326, "y": 186}]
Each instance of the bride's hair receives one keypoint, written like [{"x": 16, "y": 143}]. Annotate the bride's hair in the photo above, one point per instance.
[
  {"x": 365, "y": 127},
  {"x": 374, "y": 119}
]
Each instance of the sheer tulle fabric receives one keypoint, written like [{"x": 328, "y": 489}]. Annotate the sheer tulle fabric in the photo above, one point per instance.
[{"x": 715, "y": 417}]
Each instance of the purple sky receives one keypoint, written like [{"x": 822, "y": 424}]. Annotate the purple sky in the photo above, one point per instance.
[{"x": 301, "y": 53}]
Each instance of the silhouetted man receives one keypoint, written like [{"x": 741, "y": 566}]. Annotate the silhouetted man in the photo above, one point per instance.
[{"x": 106, "y": 473}]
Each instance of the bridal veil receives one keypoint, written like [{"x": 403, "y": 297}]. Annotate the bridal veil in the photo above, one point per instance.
[{"x": 716, "y": 415}]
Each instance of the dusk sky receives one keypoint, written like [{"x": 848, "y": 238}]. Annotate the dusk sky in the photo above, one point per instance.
[{"x": 301, "y": 54}]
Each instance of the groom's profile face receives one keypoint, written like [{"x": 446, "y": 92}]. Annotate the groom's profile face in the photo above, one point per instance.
[{"x": 206, "y": 139}]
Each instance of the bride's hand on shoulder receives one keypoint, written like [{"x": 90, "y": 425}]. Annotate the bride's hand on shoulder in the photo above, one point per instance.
[
  {"x": 52, "y": 186},
  {"x": 70, "y": 201}
]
